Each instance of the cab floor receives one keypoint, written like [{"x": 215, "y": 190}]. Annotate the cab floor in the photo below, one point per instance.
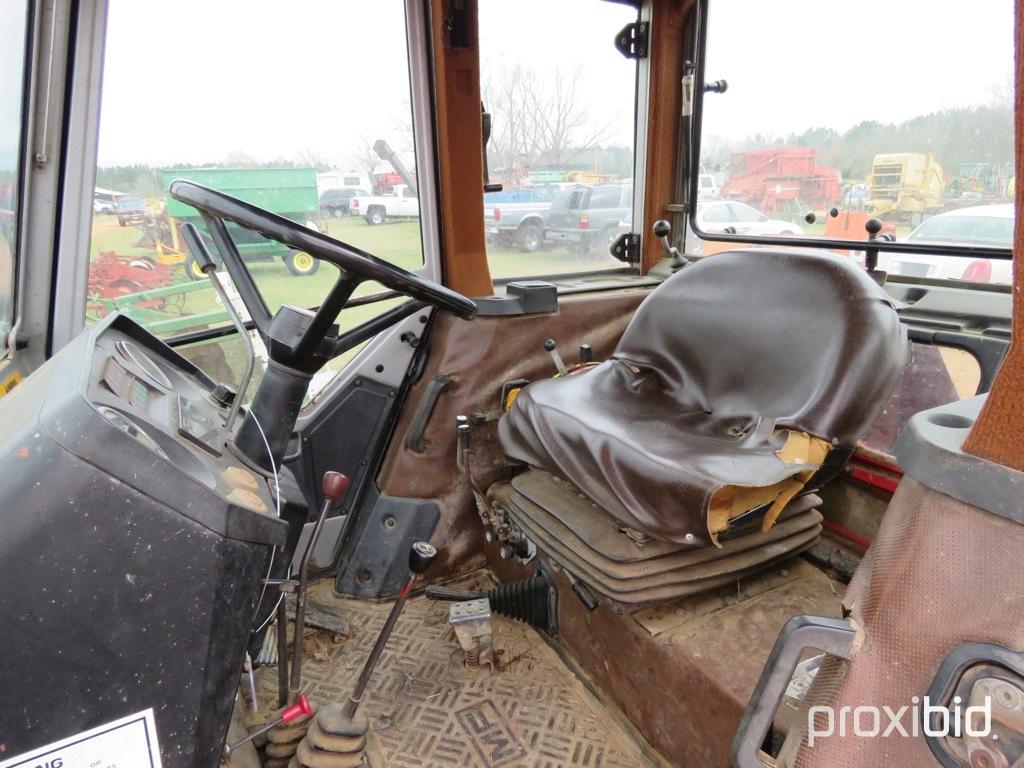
[{"x": 426, "y": 709}]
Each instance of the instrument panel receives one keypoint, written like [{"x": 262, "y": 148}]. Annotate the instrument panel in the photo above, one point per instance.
[{"x": 143, "y": 390}]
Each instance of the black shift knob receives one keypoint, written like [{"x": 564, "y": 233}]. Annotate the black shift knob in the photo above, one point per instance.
[
  {"x": 873, "y": 227},
  {"x": 662, "y": 228},
  {"x": 421, "y": 557}
]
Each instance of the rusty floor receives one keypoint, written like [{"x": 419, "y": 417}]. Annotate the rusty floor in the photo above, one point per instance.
[{"x": 426, "y": 709}]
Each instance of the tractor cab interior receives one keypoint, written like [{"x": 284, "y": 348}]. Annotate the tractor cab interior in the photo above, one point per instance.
[{"x": 567, "y": 408}]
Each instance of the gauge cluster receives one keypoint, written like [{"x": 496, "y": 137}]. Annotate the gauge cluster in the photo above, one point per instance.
[{"x": 142, "y": 389}]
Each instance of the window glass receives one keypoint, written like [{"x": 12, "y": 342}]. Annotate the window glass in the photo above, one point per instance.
[
  {"x": 717, "y": 214},
  {"x": 562, "y": 109},
  {"x": 744, "y": 213},
  {"x": 13, "y": 41},
  {"x": 866, "y": 109},
  {"x": 263, "y": 109}
]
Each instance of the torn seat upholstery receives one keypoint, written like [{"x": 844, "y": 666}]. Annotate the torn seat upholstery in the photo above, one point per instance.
[{"x": 733, "y": 382}]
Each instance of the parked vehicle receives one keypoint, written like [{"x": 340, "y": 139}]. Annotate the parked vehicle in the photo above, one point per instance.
[
  {"x": 781, "y": 178},
  {"x": 990, "y": 225},
  {"x": 905, "y": 186},
  {"x": 131, "y": 210},
  {"x": 400, "y": 203},
  {"x": 102, "y": 207},
  {"x": 288, "y": 192},
  {"x": 522, "y": 223},
  {"x": 335, "y": 202},
  {"x": 707, "y": 187},
  {"x": 584, "y": 216},
  {"x": 740, "y": 219}
]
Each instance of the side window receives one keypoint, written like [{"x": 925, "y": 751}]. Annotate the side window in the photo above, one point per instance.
[
  {"x": 238, "y": 140},
  {"x": 562, "y": 112},
  {"x": 940, "y": 146},
  {"x": 13, "y": 48}
]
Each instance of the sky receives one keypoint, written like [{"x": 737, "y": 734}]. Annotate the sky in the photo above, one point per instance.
[
  {"x": 798, "y": 64},
  {"x": 195, "y": 81},
  {"x": 192, "y": 81}
]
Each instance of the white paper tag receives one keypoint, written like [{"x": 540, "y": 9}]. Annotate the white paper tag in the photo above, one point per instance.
[{"x": 126, "y": 743}]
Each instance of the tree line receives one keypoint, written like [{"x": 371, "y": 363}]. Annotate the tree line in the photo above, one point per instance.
[{"x": 953, "y": 136}]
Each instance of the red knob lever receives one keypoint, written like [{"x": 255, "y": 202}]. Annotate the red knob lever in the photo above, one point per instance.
[
  {"x": 334, "y": 485},
  {"x": 300, "y": 707}
]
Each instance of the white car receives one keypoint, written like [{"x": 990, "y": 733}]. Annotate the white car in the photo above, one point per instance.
[
  {"x": 738, "y": 218},
  {"x": 989, "y": 225}
]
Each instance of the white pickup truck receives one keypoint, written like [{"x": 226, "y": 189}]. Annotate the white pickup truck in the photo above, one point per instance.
[{"x": 400, "y": 203}]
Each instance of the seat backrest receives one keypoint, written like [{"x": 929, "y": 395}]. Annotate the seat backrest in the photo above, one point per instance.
[{"x": 805, "y": 339}]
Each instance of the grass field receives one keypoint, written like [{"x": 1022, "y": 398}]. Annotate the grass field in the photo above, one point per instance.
[{"x": 397, "y": 243}]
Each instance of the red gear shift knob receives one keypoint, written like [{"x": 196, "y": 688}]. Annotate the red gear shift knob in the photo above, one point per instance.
[
  {"x": 334, "y": 485},
  {"x": 300, "y": 707}
]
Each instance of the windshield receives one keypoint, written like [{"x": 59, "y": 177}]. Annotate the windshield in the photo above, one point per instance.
[
  {"x": 13, "y": 41},
  {"x": 886, "y": 120},
  {"x": 346, "y": 129}
]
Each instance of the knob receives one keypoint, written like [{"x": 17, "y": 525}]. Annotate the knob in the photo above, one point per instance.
[
  {"x": 873, "y": 227},
  {"x": 489, "y": 536},
  {"x": 222, "y": 395},
  {"x": 506, "y": 552},
  {"x": 810, "y": 218},
  {"x": 334, "y": 485},
  {"x": 661, "y": 228},
  {"x": 421, "y": 556},
  {"x": 549, "y": 345},
  {"x": 833, "y": 212},
  {"x": 586, "y": 353}
]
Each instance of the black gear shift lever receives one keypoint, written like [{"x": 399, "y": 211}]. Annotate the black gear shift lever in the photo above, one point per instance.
[
  {"x": 421, "y": 556},
  {"x": 662, "y": 229}
]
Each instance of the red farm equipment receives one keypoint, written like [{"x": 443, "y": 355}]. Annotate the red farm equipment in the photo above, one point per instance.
[{"x": 774, "y": 179}]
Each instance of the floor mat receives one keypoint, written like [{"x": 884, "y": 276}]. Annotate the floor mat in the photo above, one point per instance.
[{"x": 428, "y": 710}]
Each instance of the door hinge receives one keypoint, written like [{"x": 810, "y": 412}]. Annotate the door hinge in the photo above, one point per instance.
[
  {"x": 626, "y": 248},
  {"x": 631, "y": 41}
]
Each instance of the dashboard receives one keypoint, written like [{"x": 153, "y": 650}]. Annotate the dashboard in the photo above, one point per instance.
[{"x": 137, "y": 541}]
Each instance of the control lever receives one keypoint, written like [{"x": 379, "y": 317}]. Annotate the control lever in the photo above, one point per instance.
[
  {"x": 873, "y": 228},
  {"x": 333, "y": 487},
  {"x": 552, "y": 350},
  {"x": 586, "y": 354},
  {"x": 336, "y": 739},
  {"x": 662, "y": 229},
  {"x": 300, "y": 708},
  {"x": 421, "y": 556},
  {"x": 201, "y": 254}
]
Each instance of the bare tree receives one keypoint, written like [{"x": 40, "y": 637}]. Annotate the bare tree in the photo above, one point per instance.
[
  {"x": 312, "y": 158},
  {"x": 539, "y": 120},
  {"x": 363, "y": 158}
]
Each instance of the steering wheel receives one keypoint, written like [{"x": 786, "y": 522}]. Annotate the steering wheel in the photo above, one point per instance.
[
  {"x": 300, "y": 342},
  {"x": 306, "y": 349}
]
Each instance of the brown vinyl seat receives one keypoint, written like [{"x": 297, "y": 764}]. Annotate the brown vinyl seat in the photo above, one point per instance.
[{"x": 721, "y": 366}]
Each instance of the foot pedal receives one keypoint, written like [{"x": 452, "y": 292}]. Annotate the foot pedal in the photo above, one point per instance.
[{"x": 533, "y": 600}]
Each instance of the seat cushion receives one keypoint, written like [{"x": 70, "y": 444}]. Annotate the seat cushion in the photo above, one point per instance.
[{"x": 715, "y": 362}]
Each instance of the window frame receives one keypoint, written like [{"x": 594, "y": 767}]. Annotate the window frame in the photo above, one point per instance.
[
  {"x": 21, "y": 180},
  {"x": 632, "y": 269},
  {"x": 689, "y": 162}
]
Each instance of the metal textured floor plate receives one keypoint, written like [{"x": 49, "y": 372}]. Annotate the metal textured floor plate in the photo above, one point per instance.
[{"x": 428, "y": 710}]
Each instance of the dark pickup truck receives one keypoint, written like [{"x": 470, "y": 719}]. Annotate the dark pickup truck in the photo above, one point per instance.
[
  {"x": 521, "y": 223},
  {"x": 583, "y": 217}
]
